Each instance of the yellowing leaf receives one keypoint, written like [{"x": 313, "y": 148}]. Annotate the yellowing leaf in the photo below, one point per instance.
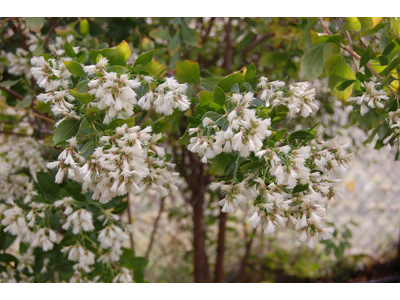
[{"x": 340, "y": 73}]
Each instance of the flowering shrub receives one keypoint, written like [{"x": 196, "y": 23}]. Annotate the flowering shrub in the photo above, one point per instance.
[{"x": 94, "y": 127}]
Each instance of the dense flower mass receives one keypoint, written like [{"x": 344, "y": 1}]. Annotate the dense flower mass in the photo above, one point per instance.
[{"x": 290, "y": 185}]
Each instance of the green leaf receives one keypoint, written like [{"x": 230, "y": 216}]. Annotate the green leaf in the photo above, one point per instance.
[
  {"x": 235, "y": 89},
  {"x": 194, "y": 121},
  {"x": 35, "y": 23},
  {"x": 120, "y": 207},
  {"x": 84, "y": 27},
  {"x": 250, "y": 166},
  {"x": 190, "y": 36},
  {"x": 116, "y": 56},
  {"x": 82, "y": 86},
  {"x": 383, "y": 61},
  {"x": 119, "y": 122},
  {"x": 340, "y": 73},
  {"x": 9, "y": 83},
  {"x": 351, "y": 24},
  {"x": 4, "y": 61},
  {"x": 344, "y": 85},
  {"x": 65, "y": 130},
  {"x": 75, "y": 68},
  {"x": 360, "y": 76},
  {"x": 219, "y": 96},
  {"x": 48, "y": 188},
  {"x": 92, "y": 114},
  {"x": 118, "y": 69},
  {"x": 305, "y": 42},
  {"x": 156, "y": 68},
  {"x": 227, "y": 82},
  {"x": 26, "y": 102},
  {"x": 206, "y": 103},
  {"x": 393, "y": 64},
  {"x": 44, "y": 108},
  {"x": 84, "y": 98},
  {"x": 187, "y": 71},
  {"x": 250, "y": 73},
  {"x": 366, "y": 56},
  {"x": 300, "y": 188},
  {"x": 218, "y": 165},
  {"x": 144, "y": 59},
  {"x": 128, "y": 260},
  {"x": 160, "y": 34},
  {"x": 301, "y": 135},
  {"x": 6, "y": 239},
  {"x": 278, "y": 135},
  {"x": 69, "y": 50},
  {"x": 324, "y": 38},
  {"x": 138, "y": 276},
  {"x": 312, "y": 63},
  {"x": 175, "y": 42},
  {"x": 368, "y": 23},
  {"x": 8, "y": 258}
]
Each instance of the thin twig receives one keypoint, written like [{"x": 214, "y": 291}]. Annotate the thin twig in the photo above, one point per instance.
[
  {"x": 12, "y": 93},
  {"x": 31, "y": 113},
  {"x": 257, "y": 42},
  {"x": 146, "y": 116},
  {"x": 50, "y": 33},
  {"x": 153, "y": 233}
]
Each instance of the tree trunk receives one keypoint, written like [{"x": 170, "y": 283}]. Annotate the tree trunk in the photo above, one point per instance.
[
  {"x": 219, "y": 266},
  {"x": 201, "y": 272}
]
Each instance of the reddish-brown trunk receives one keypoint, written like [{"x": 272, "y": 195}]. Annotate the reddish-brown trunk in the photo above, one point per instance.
[{"x": 219, "y": 266}]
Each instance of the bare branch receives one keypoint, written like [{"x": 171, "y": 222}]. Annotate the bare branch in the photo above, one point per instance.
[{"x": 153, "y": 233}]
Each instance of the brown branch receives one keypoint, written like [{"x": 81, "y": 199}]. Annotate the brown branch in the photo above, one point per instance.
[
  {"x": 257, "y": 42},
  {"x": 32, "y": 113},
  {"x": 9, "y": 19},
  {"x": 12, "y": 93},
  {"x": 227, "y": 64},
  {"x": 153, "y": 233},
  {"x": 210, "y": 25},
  {"x": 130, "y": 198},
  {"x": 146, "y": 116},
  {"x": 242, "y": 270},
  {"x": 53, "y": 26}
]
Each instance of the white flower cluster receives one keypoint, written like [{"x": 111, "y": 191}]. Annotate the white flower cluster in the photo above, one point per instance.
[
  {"x": 69, "y": 162},
  {"x": 54, "y": 77},
  {"x": 19, "y": 63},
  {"x": 279, "y": 197},
  {"x": 298, "y": 99},
  {"x": 84, "y": 258},
  {"x": 110, "y": 239},
  {"x": 116, "y": 95},
  {"x": 123, "y": 276},
  {"x": 238, "y": 130},
  {"x": 166, "y": 97},
  {"x": 372, "y": 98},
  {"x": 394, "y": 123},
  {"x": 128, "y": 162},
  {"x": 56, "y": 47},
  {"x": 17, "y": 153}
]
